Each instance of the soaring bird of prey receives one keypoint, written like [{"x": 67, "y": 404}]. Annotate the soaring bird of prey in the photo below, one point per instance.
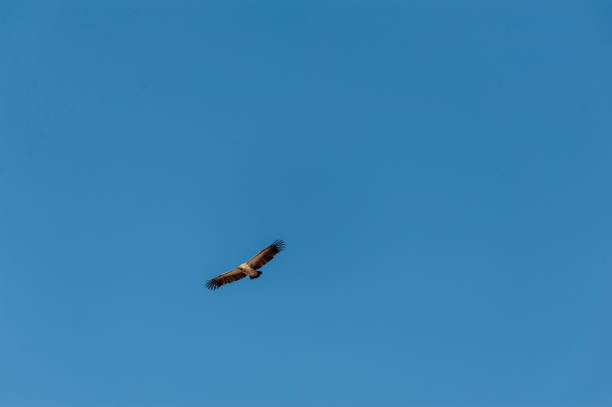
[{"x": 250, "y": 268}]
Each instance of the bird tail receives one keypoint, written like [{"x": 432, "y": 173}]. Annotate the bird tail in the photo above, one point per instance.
[{"x": 258, "y": 274}]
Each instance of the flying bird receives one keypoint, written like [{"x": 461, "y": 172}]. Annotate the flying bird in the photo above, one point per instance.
[{"x": 250, "y": 268}]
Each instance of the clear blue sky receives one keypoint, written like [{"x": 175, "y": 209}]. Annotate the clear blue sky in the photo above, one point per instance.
[{"x": 441, "y": 175}]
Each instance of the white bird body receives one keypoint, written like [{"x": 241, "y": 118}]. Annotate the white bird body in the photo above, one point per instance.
[{"x": 249, "y": 271}]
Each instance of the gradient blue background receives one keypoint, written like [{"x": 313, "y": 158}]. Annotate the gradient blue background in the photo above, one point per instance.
[{"x": 441, "y": 174}]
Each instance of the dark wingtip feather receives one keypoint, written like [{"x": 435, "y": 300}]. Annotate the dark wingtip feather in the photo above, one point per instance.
[
  {"x": 211, "y": 285},
  {"x": 279, "y": 245}
]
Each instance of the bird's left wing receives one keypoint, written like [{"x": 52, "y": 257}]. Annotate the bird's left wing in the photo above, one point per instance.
[{"x": 225, "y": 278}]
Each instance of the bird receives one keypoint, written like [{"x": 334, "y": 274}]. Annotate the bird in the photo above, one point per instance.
[{"x": 250, "y": 268}]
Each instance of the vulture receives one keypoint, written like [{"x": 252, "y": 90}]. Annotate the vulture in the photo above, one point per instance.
[{"x": 250, "y": 268}]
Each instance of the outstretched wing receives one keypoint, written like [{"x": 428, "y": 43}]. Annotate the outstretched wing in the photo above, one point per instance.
[
  {"x": 225, "y": 278},
  {"x": 266, "y": 254}
]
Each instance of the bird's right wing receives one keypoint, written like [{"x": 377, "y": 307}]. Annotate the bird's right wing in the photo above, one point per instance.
[
  {"x": 266, "y": 254},
  {"x": 225, "y": 278}
]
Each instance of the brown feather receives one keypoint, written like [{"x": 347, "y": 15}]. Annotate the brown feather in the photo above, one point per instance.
[
  {"x": 266, "y": 254},
  {"x": 225, "y": 278}
]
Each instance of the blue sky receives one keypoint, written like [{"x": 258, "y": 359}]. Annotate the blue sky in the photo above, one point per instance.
[{"x": 441, "y": 175}]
